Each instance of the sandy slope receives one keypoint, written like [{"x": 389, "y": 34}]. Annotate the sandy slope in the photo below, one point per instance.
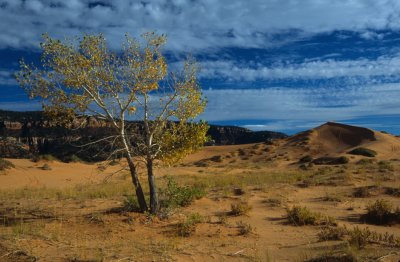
[{"x": 29, "y": 174}]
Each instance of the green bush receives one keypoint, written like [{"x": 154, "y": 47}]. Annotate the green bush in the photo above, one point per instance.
[
  {"x": 5, "y": 164},
  {"x": 301, "y": 216},
  {"x": 179, "y": 196},
  {"x": 362, "y": 151}
]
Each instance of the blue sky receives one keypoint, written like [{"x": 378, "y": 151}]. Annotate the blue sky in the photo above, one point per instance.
[{"x": 285, "y": 65}]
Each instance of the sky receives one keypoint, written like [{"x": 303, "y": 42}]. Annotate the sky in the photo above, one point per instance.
[{"x": 282, "y": 65}]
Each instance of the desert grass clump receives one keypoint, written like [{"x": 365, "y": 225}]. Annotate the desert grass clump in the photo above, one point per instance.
[
  {"x": 46, "y": 167},
  {"x": 384, "y": 166},
  {"x": 358, "y": 237},
  {"x": 217, "y": 159},
  {"x": 180, "y": 196},
  {"x": 332, "y": 198},
  {"x": 392, "y": 191},
  {"x": 365, "y": 161},
  {"x": 188, "y": 226},
  {"x": 301, "y": 216},
  {"x": 238, "y": 191},
  {"x": 332, "y": 233},
  {"x": 305, "y": 159},
  {"x": 362, "y": 192},
  {"x": 326, "y": 160},
  {"x": 245, "y": 229},
  {"x": 131, "y": 204},
  {"x": 5, "y": 164},
  {"x": 273, "y": 202},
  {"x": 48, "y": 157},
  {"x": 362, "y": 151},
  {"x": 72, "y": 159},
  {"x": 339, "y": 257},
  {"x": 381, "y": 212},
  {"x": 240, "y": 209}
]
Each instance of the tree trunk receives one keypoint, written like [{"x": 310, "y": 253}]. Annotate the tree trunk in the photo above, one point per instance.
[
  {"x": 139, "y": 191},
  {"x": 154, "y": 203}
]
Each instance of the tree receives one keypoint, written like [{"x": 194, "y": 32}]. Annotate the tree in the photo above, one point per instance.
[{"x": 85, "y": 77}]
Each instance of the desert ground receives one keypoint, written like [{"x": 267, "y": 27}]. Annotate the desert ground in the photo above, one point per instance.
[{"x": 304, "y": 198}]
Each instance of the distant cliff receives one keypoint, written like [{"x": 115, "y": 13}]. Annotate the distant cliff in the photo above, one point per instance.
[
  {"x": 23, "y": 133},
  {"x": 233, "y": 135}
]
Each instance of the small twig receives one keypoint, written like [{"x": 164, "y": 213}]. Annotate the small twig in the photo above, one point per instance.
[{"x": 238, "y": 252}]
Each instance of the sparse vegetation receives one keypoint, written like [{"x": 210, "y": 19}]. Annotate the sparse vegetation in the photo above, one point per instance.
[
  {"x": 301, "y": 216},
  {"x": 5, "y": 164},
  {"x": 131, "y": 204},
  {"x": 358, "y": 237},
  {"x": 366, "y": 161},
  {"x": 362, "y": 151},
  {"x": 381, "y": 212},
  {"x": 217, "y": 159},
  {"x": 331, "y": 160},
  {"x": 240, "y": 209},
  {"x": 305, "y": 159},
  {"x": 188, "y": 226},
  {"x": 245, "y": 229},
  {"x": 362, "y": 192},
  {"x": 332, "y": 233},
  {"x": 46, "y": 167},
  {"x": 238, "y": 191},
  {"x": 332, "y": 198},
  {"x": 385, "y": 166},
  {"x": 274, "y": 202},
  {"x": 393, "y": 191},
  {"x": 179, "y": 196},
  {"x": 72, "y": 159},
  {"x": 338, "y": 256}
]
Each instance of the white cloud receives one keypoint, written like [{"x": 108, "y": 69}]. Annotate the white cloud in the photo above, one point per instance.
[
  {"x": 301, "y": 105},
  {"x": 7, "y": 78},
  {"x": 192, "y": 25},
  {"x": 330, "y": 68}
]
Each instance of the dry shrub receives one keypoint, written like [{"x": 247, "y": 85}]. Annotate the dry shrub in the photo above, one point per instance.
[
  {"x": 332, "y": 233},
  {"x": 240, "y": 209},
  {"x": 301, "y": 216},
  {"x": 381, "y": 212},
  {"x": 46, "y": 167},
  {"x": 358, "y": 237},
  {"x": 245, "y": 229},
  {"x": 5, "y": 164},
  {"x": 188, "y": 226},
  {"x": 238, "y": 191}
]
